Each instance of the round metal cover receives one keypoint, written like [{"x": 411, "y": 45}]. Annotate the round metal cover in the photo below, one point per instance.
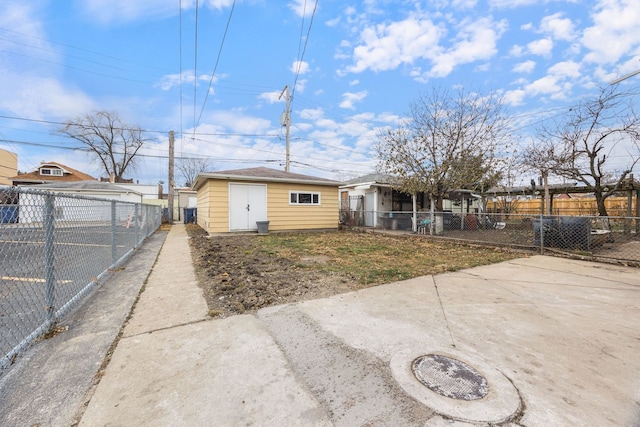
[{"x": 450, "y": 377}]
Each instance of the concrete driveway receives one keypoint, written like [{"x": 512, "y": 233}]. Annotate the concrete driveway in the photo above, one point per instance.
[{"x": 537, "y": 341}]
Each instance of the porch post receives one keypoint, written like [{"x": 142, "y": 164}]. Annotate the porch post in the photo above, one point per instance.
[
  {"x": 375, "y": 207},
  {"x": 415, "y": 214}
]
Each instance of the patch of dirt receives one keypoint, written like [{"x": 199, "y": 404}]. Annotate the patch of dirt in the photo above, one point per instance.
[{"x": 237, "y": 276}]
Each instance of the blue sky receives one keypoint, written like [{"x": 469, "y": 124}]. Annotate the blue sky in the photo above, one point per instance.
[{"x": 356, "y": 68}]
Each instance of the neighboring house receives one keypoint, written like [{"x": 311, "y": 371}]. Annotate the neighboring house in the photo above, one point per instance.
[
  {"x": 30, "y": 205},
  {"x": 8, "y": 166},
  {"x": 102, "y": 190},
  {"x": 235, "y": 200},
  {"x": 50, "y": 172},
  {"x": 371, "y": 201},
  {"x": 184, "y": 198},
  {"x": 148, "y": 191}
]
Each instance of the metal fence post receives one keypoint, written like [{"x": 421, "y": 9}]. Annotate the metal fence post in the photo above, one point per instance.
[
  {"x": 114, "y": 254},
  {"x": 49, "y": 256},
  {"x": 136, "y": 226},
  {"x": 541, "y": 234}
]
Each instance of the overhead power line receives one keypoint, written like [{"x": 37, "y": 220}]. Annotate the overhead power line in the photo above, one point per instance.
[
  {"x": 71, "y": 67},
  {"x": 215, "y": 68},
  {"x": 304, "y": 49},
  {"x": 195, "y": 69},
  {"x": 180, "y": 59},
  {"x": 161, "y": 131}
]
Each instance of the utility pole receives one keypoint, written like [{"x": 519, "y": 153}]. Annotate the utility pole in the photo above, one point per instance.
[
  {"x": 286, "y": 121},
  {"x": 171, "y": 182},
  {"x": 625, "y": 77}
]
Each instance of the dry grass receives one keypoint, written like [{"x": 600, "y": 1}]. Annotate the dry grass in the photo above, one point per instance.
[{"x": 378, "y": 258}]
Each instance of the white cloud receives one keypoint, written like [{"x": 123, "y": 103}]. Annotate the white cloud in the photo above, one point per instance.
[
  {"x": 515, "y": 97},
  {"x": 170, "y": 81},
  {"x": 568, "y": 69},
  {"x": 512, "y": 4},
  {"x": 385, "y": 46},
  {"x": 557, "y": 26},
  {"x": 516, "y": 50},
  {"x": 541, "y": 47},
  {"x": 524, "y": 67},
  {"x": 237, "y": 122},
  {"x": 271, "y": 97},
  {"x": 301, "y": 84},
  {"x": 300, "y": 67},
  {"x": 109, "y": 11},
  {"x": 23, "y": 39},
  {"x": 464, "y": 4},
  {"x": 545, "y": 85},
  {"x": 556, "y": 84},
  {"x": 115, "y": 11},
  {"x": 37, "y": 97},
  {"x": 350, "y": 98},
  {"x": 311, "y": 114},
  {"x": 327, "y": 123},
  {"x": 29, "y": 89},
  {"x": 301, "y": 7},
  {"x": 614, "y": 32},
  {"x": 477, "y": 40},
  {"x": 20, "y": 17}
]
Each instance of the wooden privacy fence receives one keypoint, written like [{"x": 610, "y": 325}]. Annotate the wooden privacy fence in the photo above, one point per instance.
[{"x": 576, "y": 206}]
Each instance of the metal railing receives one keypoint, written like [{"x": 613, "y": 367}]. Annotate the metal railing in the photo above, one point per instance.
[
  {"x": 591, "y": 237},
  {"x": 54, "y": 250}
]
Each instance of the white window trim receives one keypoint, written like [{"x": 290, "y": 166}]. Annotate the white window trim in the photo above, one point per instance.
[
  {"x": 52, "y": 171},
  {"x": 313, "y": 193}
]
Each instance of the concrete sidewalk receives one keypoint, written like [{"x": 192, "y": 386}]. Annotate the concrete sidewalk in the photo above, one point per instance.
[{"x": 552, "y": 341}]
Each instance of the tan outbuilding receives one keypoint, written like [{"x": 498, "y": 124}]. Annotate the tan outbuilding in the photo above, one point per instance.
[
  {"x": 264, "y": 199},
  {"x": 8, "y": 166}
]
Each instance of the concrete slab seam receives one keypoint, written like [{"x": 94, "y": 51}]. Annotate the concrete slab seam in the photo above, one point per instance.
[{"x": 95, "y": 381}]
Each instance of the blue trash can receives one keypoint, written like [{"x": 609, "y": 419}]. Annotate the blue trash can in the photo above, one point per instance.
[
  {"x": 190, "y": 215},
  {"x": 548, "y": 233},
  {"x": 575, "y": 232},
  {"x": 9, "y": 214}
]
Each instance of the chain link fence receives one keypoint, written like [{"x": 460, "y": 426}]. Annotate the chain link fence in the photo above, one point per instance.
[
  {"x": 615, "y": 239},
  {"x": 54, "y": 250}
]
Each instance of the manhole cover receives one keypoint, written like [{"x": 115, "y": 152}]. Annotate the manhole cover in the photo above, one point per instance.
[{"x": 450, "y": 377}]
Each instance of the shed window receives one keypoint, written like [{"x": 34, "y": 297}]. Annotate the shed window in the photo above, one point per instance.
[{"x": 300, "y": 198}]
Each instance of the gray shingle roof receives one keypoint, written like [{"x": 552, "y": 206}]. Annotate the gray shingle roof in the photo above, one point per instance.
[
  {"x": 265, "y": 174},
  {"x": 85, "y": 186}
]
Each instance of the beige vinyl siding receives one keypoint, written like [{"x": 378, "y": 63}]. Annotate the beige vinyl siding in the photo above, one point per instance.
[
  {"x": 8, "y": 166},
  {"x": 213, "y": 206},
  {"x": 284, "y": 216},
  {"x": 203, "y": 206}
]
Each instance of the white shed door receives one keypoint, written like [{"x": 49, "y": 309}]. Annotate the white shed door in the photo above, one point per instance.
[{"x": 247, "y": 204}]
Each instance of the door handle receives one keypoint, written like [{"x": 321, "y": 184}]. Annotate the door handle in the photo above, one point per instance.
[{"x": 248, "y": 208}]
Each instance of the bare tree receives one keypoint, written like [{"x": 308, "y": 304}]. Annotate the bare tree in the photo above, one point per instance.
[
  {"x": 190, "y": 167},
  {"x": 449, "y": 141},
  {"x": 579, "y": 146},
  {"x": 113, "y": 143}
]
